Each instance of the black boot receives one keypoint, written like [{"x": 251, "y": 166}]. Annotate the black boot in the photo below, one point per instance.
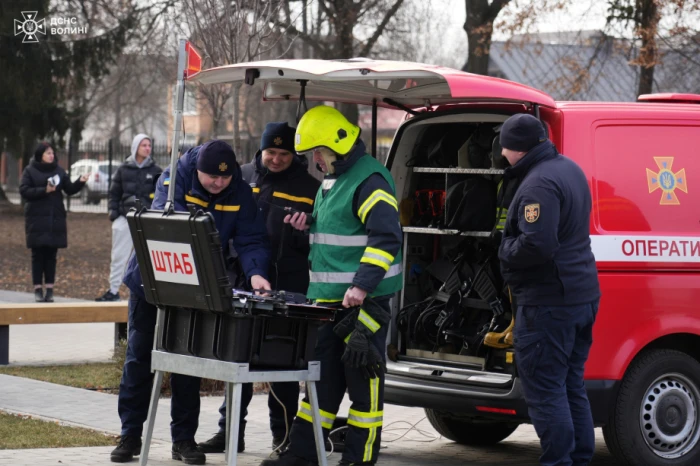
[
  {"x": 38, "y": 295},
  {"x": 217, "y": 444},
  {"x": 129, "y": 446},
  {"x": 49, "y": 295},
  {"x": 187, "y": 452},
  {"x": 286, "y": 458}
]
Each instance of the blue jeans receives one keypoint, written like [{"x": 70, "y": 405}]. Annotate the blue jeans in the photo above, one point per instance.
[{"x": 551, "y": 349}]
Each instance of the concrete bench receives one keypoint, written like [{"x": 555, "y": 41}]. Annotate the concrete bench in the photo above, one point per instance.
[{"x": 59, "y": 313}]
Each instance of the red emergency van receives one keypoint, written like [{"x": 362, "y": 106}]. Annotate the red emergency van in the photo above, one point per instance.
[{"x": 450, "y": 348}]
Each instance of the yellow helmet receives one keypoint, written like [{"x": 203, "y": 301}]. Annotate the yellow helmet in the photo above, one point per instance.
[{"x": 324, "y": 126}]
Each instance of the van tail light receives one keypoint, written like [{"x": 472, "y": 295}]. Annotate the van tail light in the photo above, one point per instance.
[
  {"x": 97, "y": 177},
  {"x": 488, "y": 409}
]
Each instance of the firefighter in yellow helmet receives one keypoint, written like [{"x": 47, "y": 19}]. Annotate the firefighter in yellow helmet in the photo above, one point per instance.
[{"x": 355, "y": 262}]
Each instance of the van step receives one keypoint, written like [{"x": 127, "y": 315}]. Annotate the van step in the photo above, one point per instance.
[
  {"x": 437, "y": 231},
  {"x": 455, "y": 374},
  {"x": 448, "y": 357},
  {"x": 468, "y": 171}
]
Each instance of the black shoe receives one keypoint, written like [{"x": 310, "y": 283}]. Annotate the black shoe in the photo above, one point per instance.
[
  {"x": 128, "y": 447},
  {"x": 217, "y": 444},
  {"x": 187, "y": 452},
  {"x": 38, "y": 295},
  {"x": 109, "y": 296},
  {"x": 277, "y": 443},
  {"x": 288, "y": 459},
  {"x": 49, "y": 295}
]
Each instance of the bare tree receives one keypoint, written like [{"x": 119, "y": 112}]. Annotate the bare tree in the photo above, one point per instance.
[
  {"x": 479, "y": 28},
  {"x": 344, "y": 29},
  {"x": 231, "y": 32},
  {"x": 113, "y": 29},
  {"x": 644, "y": 16}
]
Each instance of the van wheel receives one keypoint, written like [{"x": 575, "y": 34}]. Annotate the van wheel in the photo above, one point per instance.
[
  {"x": 469, "y": 431},
  {"x": 655, "y": 421}
]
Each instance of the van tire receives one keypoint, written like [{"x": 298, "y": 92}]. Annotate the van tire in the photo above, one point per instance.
[
  {"x": 668, "y": 381},
  {"x": 469, "y": 431}
]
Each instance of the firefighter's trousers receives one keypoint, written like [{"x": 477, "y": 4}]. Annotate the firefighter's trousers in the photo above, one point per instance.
[{"x": 365, "y": 418}]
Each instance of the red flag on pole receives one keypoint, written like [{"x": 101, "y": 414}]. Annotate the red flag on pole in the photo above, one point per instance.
[{"x": 194, "y": 61}]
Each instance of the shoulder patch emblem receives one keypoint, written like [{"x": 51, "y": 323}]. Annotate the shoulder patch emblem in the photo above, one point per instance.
[{"x": 532, "y": 213}]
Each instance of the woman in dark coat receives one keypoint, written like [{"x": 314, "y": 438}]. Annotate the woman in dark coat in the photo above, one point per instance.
[{"x": 44, "y": 214}]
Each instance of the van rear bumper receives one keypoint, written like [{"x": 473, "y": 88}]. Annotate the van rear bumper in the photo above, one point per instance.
[{"x": 464, "y": 399}]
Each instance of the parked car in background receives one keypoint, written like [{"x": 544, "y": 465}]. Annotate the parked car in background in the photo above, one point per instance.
[{"x": 97, "y": 186}]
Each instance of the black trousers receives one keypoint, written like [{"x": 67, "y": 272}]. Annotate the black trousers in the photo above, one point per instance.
[
  {"x": 365, "y": 418},
  {"x": 44, "y": 265},
  {"x": 137, "y": 380}
]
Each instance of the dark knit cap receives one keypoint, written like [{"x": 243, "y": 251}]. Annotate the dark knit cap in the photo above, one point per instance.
[
  {"x": 522, "y": 132},
  {"x": 40, "y": 149},
  {"x": 278, "y": 136},
  {"x": 216, "y": 158}
]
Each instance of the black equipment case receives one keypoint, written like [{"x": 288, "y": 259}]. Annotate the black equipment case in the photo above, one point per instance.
[{"x": 181, "y": 261}]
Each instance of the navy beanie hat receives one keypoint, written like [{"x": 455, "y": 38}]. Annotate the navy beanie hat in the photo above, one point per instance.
[
  {"x": 216, "y": 158},
  {"x": 278, "y": 136},
  {"x": 522, "y": 132}
]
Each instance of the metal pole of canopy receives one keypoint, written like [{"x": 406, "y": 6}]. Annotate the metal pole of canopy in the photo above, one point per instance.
[
  {"x": 374, "y": 128},
  {"x": 177, "y": 122}
]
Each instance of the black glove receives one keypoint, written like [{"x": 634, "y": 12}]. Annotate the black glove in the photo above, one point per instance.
[
  {"x": 347, "y": 325},
  {"x": 113, "y": 215},
  {"x": 375, "y": 365},
  {"x": 357, "y": 350}
]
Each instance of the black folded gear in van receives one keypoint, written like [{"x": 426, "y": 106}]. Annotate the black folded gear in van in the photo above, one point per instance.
[{"x": 471, "y": 205}]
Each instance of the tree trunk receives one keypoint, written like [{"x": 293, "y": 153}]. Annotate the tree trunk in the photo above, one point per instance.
[
  {"x": 479, "y": 29},
  {"x": 648, "y": 55}
]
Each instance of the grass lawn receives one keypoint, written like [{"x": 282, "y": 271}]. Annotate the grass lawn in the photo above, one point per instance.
[
  {"x": 101, "y": 376},
  {"x": 20, "y": 432}
]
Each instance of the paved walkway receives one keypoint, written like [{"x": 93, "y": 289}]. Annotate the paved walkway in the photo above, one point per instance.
[
  {"x": 98, "y": 411},
  {"x": 64, "y": 343}
]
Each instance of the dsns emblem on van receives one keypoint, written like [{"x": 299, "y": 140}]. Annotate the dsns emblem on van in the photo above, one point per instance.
[{"x": 666, "y": 180}]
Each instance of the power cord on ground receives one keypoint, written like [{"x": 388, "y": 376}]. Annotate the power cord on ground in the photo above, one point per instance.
[
  {"x": 385, "y": 430},
  {"x": 286, "y": 422}
]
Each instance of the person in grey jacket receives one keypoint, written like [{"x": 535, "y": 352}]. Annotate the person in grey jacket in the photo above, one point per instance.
[{"x": 135, "y": 179}]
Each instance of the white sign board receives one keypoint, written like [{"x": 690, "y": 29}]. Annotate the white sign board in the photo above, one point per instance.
[{"x": 173, "y": 262}]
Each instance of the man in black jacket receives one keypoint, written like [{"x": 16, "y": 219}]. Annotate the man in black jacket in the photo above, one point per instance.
[
  {"x": 547, "y": 261},
  {"x": 135, "y": 179},
  {"x": 279, "y": 179}
]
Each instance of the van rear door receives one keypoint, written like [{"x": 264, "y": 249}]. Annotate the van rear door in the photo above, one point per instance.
[{"x": 362, "y": 81}]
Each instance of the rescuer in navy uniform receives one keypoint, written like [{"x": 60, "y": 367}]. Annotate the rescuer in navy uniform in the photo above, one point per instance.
[
  {"x": 209, "y": 177},
  {"x": 547, "y": 261},
  {"x": 278, "y": 177}
]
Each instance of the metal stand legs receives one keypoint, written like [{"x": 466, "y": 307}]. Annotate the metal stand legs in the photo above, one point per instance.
[{"x": 235, "y": 375}]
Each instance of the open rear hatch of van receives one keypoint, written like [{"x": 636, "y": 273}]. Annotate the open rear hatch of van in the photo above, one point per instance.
[
  {"x": 364, "y": 82},
  {"x": 453, "y": 315}
]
